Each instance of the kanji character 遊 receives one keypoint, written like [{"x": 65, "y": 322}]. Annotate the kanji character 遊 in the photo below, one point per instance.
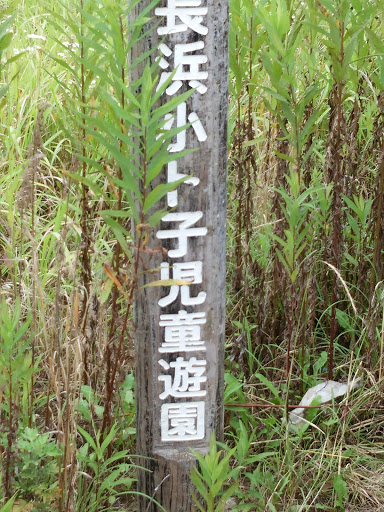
[{"x": 187, "y": 378}]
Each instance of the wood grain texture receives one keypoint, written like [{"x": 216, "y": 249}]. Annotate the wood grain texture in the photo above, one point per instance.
[{"x": 170, "y": 463}]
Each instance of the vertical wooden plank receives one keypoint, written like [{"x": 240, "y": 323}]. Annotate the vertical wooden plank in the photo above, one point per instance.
[{"x": 180, "y": 329}]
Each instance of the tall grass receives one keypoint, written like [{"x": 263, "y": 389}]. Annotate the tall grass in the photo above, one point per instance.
[
  {"x": 305, "y": 170},
  {"x": 79, "y": 151}
]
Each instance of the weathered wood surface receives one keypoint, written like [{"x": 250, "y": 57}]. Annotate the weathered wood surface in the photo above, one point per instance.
[{"x": 171, "y": 461}]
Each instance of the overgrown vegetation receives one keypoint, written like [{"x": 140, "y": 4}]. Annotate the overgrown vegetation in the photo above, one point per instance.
[{"x": 305, "y": 254}]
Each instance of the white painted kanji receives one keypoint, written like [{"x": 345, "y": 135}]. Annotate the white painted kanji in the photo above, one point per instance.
[
  {"x": 189, "y": 12},
  {"x": 188, "y": 376},
  {"x": 200, "y": 88},
  {"x": 183, "y": 231},
  {"x": 187, "y": 271},
  {"x": 183, "y": 421},
  {"x": 182, "y": 64},
  {"x": 182, "y": 332},
  {"x": 172, "y": 176},
  {"x": 198, "y": 127},
  {"x": 187, "y": 66},
  {"x": 181, "y": 120}
]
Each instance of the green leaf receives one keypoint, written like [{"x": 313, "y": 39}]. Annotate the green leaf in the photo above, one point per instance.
[
  {"x": 376, "y": 41},
  {"x": 197, "y": 502},
  {"x": 120, "y": 232},
  {"x": 341, "y": 489},
  {"x": 8, "y": 506},
  {"x": 270, "y": 386},
  {"x": 167, "y": 282},
  {"x": 5, "y": 41},
  {"x": 285, "y": 157},
  {"x": 233, "y": 387},
  {"x": 87, "y": 437},
  {"x": 109, "y": 438},
  {"x": 156, "y": 217},
  {"x": 159, "y": 192},
  {"x": 146, "y": 92}
]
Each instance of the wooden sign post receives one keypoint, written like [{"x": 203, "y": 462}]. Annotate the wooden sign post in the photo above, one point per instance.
[{"x": 180, "y": 329}]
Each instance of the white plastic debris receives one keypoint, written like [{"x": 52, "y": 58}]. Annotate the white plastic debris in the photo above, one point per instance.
[
  {"x": 323, "y": 392},
  {"x": 230, "y": 505}
]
